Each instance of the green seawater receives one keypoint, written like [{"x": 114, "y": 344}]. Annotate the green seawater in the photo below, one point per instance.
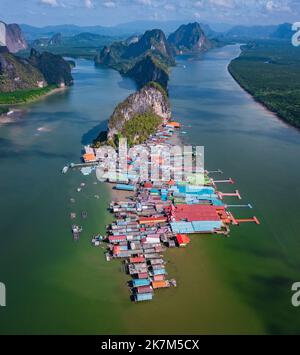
[{"x": 240, "y": 284}]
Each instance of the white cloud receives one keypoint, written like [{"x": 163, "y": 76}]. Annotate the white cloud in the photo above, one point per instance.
[
  {"x": 109, "y": 4},
  {"x": 144, "y": 2},
  {"x": 52, "y": 3},
  {"x": 197, "y": 15},
  {"x": 88, "y": 4},
  {"x": 169, "y": 7},
  {"x": 225, "y": 3},
  {"x": 198, "y": 4},
  {"x": 278, "y": 6}
]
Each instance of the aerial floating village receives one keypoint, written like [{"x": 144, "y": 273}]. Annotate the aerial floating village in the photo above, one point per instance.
[{"x": 158, "y": 214}]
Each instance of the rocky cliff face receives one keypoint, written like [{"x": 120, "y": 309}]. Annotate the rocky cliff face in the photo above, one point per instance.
[
  {"x": 127, "y": 53},
  {"x": 150, "y": 99},
  {"x": 15, "y": 40},
  {"x": 18, "y": 74},
  {"x": 54, "y": 68},
  {"x": 144, "y": 58},
  {"x": 189, "y": 38},
  {"x": 38, "y": 71},
  {"x": 154, "y": 41},
  {"x": 147, "y": 70}
]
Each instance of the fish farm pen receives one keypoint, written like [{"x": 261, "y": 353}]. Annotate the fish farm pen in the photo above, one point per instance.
[{"x": 160, "y": 215}]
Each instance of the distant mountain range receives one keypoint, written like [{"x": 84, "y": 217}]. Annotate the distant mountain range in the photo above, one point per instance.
[
  {"x": 127, "y": 29},
  {"x": 32, "y": 33},
  {"x": 283, "y": 31},
  {"x": 212, "y": 31},
  {"x": 83, "y": 39},
  {"x": 144, "y": 57},
  {"x": 147, "y": 58}
]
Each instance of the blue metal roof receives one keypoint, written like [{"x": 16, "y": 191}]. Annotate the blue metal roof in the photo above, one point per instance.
[{"x": 143, "y": 297}]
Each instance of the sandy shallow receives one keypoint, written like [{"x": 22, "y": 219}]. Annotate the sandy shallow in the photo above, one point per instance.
[
  {"x": 16, "y": 113},
  {"x": 117, "y": 195},
  {"x": 14, "y": 116}
]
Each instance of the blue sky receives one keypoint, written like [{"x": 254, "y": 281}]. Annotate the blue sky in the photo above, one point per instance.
[{"x": 111, "y": 12}]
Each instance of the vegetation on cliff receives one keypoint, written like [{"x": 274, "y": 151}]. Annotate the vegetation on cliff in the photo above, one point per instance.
[
  {"x": 140, "y": 127},
  {"x": 23, "y": 80},
  {"x": 269, "y": 71},
  {"x": 149, "y": 69},
  {"x": 138, "y": 116},
  {"x": 17, "y": 73}
]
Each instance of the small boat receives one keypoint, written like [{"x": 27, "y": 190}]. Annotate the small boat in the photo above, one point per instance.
[
  {"x": 97, "y": 240},
  {"x": 76, "y": 230},
  {"x": 97, "y": 197},
  {"x": 72, "y": 200},
  {"x": 79, "y": 189},
  {"x": 65, "y": 169},
  {"x": 173, "y": 282},
  {"x": 84, "y": 214},
  {"x": 73, "y": 215}
]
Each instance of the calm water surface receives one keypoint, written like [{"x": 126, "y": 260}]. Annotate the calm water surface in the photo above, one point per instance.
[{"x": 241, "y": 284}]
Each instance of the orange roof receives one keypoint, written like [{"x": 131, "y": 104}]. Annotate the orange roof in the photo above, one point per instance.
[
  {"x": 89, "y": 157},
  {"x": 152, "y": 220},
  {"x": 174, "y": 124},
  {"x": 160, "y": 284}
]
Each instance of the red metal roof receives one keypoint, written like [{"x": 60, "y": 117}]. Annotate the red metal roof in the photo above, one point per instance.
[
  {"x": 191, "y": 213},
  {"x": 183, "y": 239},
  {"x": 159, "y": 277},
  {"x": 143, "y": 275},
  {"x": 137, "y": 260},
  {"x": 144, "y": 289},
  {"x": 116, "y": 250},
  {"x": 119, "y": 238}
]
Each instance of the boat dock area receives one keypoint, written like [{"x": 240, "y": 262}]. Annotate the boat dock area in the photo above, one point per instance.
[{"x": 160, "y": 215}]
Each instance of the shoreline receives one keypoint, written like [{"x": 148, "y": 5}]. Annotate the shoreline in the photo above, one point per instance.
[
  {"x": 16, "y": 113},
  {"x": 51, "y": 92},
  {"x": 12, "y": 116},
  {"x": 260, "y": 102}
]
